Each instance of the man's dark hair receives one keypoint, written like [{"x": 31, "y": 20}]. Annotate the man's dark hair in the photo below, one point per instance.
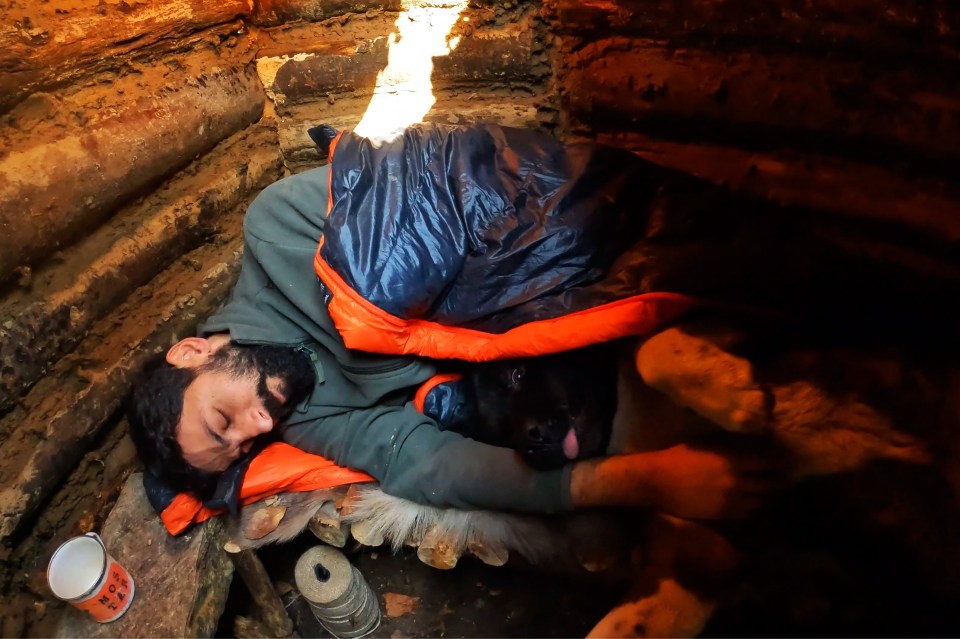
[{"x": 154, "y": 408}]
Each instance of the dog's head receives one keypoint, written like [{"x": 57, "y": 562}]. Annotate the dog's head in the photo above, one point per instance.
[{"x": 551, "y": 409}]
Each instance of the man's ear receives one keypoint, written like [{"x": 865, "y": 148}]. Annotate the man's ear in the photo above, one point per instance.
[{"x": 189, "y": 352}]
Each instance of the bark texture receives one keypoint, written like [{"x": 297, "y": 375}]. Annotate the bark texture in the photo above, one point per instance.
[
  {"x": 48, "y": 43},
  {"x": 72, "y": 183}
]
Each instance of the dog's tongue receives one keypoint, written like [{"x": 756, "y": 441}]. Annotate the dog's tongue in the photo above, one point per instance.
[{"x": 570, "y": 446}]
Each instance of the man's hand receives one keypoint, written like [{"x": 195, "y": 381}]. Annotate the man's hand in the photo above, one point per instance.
[{"x": 681, "y": 481}]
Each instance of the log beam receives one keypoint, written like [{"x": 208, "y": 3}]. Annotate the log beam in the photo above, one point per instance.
[
  {"x": 97, "y": 167},
  {"x": 42, "y": 42},
  {"x": 327, "y": 526},
  {"x": 437, "y": 550},
  {"x": 313, "y": 62},
  {"x": 93, "y": 277},
  {"x": 451, "y": 107},
  {"x": 274, "y": 12},
  {"x": 635, "y": 83},
  {"x": 816, "y": 182},
  {"x": 897, "y": 25}
]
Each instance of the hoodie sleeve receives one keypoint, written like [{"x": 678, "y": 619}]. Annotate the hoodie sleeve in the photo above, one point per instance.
[
  {"x": 359, "y": 421},
  {"x": 413, "y": 459}
]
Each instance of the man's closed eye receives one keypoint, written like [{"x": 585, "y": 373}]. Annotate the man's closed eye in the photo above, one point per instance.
[{"x": 215, "y": 435}]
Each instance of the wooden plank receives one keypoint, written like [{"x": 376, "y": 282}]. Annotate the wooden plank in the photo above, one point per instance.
[
  {"x": 97, "y": 166},
  {"x": 630, "y": 83},
  {"x": 903, "y": 25},
  {"x": 181, "y": 582},
  {"x": 43, "y": 41}
]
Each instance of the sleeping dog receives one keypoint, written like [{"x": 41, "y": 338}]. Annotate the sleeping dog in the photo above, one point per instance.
[{"x": 551, "y": 408}]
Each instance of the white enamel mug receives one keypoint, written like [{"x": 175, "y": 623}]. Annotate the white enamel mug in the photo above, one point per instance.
[{"x": 82, "y": 573}]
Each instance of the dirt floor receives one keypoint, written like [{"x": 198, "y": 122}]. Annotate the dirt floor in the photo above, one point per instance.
[
  {"x": 810, "y": 574},
  {"x": 471, "y": 600}
]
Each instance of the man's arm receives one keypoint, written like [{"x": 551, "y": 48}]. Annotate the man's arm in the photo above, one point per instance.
[{"x": 412, "y": 459}]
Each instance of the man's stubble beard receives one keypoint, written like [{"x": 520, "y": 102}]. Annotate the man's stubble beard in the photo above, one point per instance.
[{"x": 288, "y": 364}]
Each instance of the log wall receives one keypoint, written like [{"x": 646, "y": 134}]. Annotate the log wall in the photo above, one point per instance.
[
  {"x": 133, "y": 133},
  {"x": 48, "y": 44},
  {"x": 848, "y": 110}
]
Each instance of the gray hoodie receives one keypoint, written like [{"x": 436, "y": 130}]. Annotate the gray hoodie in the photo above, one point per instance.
[{"x": 360, "y": 412}]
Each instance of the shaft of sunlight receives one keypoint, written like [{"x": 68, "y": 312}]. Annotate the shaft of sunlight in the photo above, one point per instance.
[{"x": 404, "y": 91}]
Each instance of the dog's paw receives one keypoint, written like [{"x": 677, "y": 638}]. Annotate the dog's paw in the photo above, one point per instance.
[
  {"x": 715, "y": 384},
  {"x": 670, "y": 611},
  {"x": 749, "y": 410}
]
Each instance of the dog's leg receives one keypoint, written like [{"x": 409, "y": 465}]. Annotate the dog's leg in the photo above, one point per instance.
[
  {"x": 683, "y": 562},
  {"x": 696, "y": 373},
  {"x": 670, "y": 611},
  {"x": 277, "y": 518}
]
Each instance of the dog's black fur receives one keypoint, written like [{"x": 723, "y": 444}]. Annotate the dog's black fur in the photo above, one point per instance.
[{"x": 531, "y": 404}]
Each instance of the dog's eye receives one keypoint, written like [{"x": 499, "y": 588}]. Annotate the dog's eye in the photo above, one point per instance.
[{"x": 516, "y": 376}]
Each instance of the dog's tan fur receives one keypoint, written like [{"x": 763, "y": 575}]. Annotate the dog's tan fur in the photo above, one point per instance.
[
  {"x": 825, "y": 431},
  {"x": 677, "y": 383}
]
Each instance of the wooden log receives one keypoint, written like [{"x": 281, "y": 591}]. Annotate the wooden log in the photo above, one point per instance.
[
  {"x": 181, "y": 582},
  {"x": 264, "y": 521},
  {"x": 350, "y": 497},
  {"x": 437, "y": 551},
  {"x": 69, "y": 296},
  {"x": 451, "y": 107},
  {"x": 901, "y": 25},
  {"x": 490, "y": 555},
  {"x": 363, "y": 532},
  {"x": 43, "y": 42},
  {"x": 328, "y": 528},
  {"x": 277, "y": 518},
  {"x": 273, "y": 616},
  {"x": 349, "y": 62},
  {"x": 509, "y": 55},
  {"x": 818, "y": 182},
  {"x": 96, "y": 167},
  {"x": 305, "y": 62},
  {"x": 274, "y": 12},
  {"x": 75, "y": 400},
  {"x": 698, "y": 374},
  {"x": 247, "y": 628},
  {"x": 626, "y": 83}
]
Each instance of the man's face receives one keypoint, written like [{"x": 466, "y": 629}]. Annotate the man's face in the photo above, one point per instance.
[
  {"x": 222, "y": 415},
  {"x": 239, "y": 394}
]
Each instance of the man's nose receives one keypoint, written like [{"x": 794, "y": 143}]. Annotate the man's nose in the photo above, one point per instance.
[{"x": 257, "y": 421}]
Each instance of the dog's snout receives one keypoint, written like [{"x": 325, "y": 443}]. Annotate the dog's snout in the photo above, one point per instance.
[
  {"x": 534, "y": 432},
  {"x": 545, "y": 430}
]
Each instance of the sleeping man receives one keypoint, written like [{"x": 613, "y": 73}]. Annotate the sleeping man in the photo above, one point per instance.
[{"x": 272, "y": 364}]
